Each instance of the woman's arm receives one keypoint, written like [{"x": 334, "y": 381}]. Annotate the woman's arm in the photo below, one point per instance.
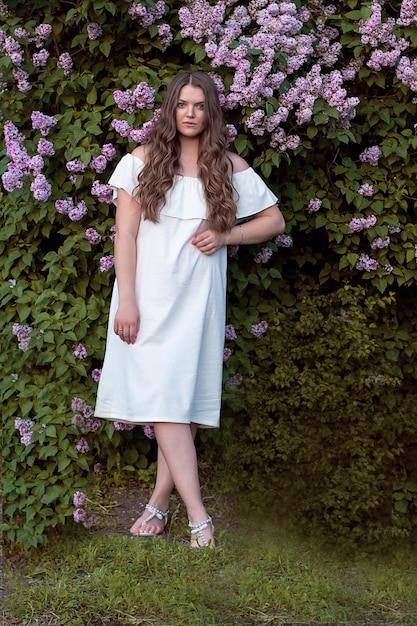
[
  {"x": 262, "y": 226},
  {"x": 126, "y": 323}
]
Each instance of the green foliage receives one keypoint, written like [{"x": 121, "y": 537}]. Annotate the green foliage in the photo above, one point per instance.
[
  {"x": 325, "y": 410},
  {"x": 324, "y": 417}
]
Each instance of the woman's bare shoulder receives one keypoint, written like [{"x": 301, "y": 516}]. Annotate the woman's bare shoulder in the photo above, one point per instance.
[
  {"x": 141, "y": 152},
  {"x": 239, "y": 164}
]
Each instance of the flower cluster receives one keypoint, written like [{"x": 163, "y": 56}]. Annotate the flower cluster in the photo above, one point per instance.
[
  {"x": 230, "y": 332},
  {"x": 314, "y": 205},
  {"x": 371, "y": 155},
  {"x": 94, "y": 31},
  {"x": 23, "y": 333},
  {"x": 123, "y": 426},
  {"x": 263, "y": 255},
  {"x": 25, "y": 428},
  {"x": 365, "y": 263},
  {"x": 379, "y": 243},
  {"x": 260, "y": 329},
  {"x": 143, "y": 97},
  {"x": 266, "y": 27},
  {"x": 146, "y": 16},
  {"x": 80, "y": 352},
  {"x": 84, "y": 420},
  {"x": 356, "y": 225},
  {"x": 283, "y": 241},
  {"x": 366, "y": 190},
  {"x": 235, "y": 380},
  {"x": 106, "y": 263},
  {"x": 80, "y": 515}
]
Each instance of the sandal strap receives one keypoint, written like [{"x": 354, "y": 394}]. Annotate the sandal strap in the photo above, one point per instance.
[
  {"x": 198, "y": 528},
  {"x": 156, "y": 513}
]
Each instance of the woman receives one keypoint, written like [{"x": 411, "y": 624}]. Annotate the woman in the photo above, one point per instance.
[{"x": 178, "y": 199}]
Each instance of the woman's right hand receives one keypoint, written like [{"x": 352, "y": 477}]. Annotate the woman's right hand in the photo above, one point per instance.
[{"x": 126, "y": 322}]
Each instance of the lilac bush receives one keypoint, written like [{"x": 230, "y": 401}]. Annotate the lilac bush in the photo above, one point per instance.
[{"x": 320, "y": 98}]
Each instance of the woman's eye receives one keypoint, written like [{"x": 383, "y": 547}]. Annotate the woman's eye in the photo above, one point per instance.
[
  {"x": 200, "y": 106},
  {"x": 181, "y": 105}
]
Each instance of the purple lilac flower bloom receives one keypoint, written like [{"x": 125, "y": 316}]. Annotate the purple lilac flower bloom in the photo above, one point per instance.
[
  {"x": 77, "y": 405},
  {"x": 102, "y": 191},
  {"x": 12, "y": 179},
  {"x": 77, "y": 212},
  {"x": 95, "y": 375},
  {"x": 94, "y": 31},
  {"x": 76, "y": 166},
  {"x": 263, "y": 256},
  {"x": 40, "y": 188},
  {"x": 366, "y": 190},
  {"x": 25, "y": 428},
  {"x": 371, "y": 155},
  {"x": 36, "y": 164},
  {"x": 235, "y": 381},
  {"x": 369, "y": 221},
  {"x": 64, "y": 206},
  {"x": 45, "y": 147},
  {"x": 106, "y": 263},
  {"x": 227, "y": 353},
  {"x": 283, "y": 241},
  {"x": 91, "y": 426},
  {"x": 79, "y": 498},
  {"x": 78, "y": 421},
  {"x": 21, "y": 77},
  {"x": 93, "y": 236},
  {"x": 258, "y": 330},
  {"x": 80, "y": 352},
  {"x": 365, "y": 263},
  {"x": 108, "y": 151},
  {"x": 314, "y": 205},
  {"x": 99, "y": 164},
  {"x": 79, "y": 515},
  {"x": 23, "y": 335},
  {"x": 65, "y": 63},
  {"x": 123, "y": 426},
  {"x": 42, "y": 33},
  {"x": 40, "y": 59},
  {"x": 165, "y": 35},
  {"x": 232, "y": 250},
  {"x": 82, "y": 446},
  {"x": 42, "y": 122},
  {"x": 149, "y": 432},
  {"x": 379, "y": 243},
  {"x": 230, "y": 333}
]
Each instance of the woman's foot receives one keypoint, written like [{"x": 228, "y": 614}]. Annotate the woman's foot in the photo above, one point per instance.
[
  {"x": 152, "y": 522},
  {"x": 202, "y": 534}
]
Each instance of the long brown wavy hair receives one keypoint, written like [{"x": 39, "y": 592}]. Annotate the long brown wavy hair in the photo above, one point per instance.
[{"x": 163, "y": 156}]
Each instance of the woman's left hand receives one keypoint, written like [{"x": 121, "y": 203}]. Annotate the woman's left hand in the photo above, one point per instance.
[{"x": 208, "y": 241}]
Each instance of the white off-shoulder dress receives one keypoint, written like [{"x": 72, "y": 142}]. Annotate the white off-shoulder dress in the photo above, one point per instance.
[{"x": 173, "y": 372}]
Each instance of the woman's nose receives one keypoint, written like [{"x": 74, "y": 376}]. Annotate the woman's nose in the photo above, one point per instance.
[{"x": 190, "y": 111}]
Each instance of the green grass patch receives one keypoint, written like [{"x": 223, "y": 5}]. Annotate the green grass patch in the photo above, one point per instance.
[{"x": 259, "y": 574}]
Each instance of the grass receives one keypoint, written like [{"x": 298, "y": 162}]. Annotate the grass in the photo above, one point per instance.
[{"x": 259, "y": 575}]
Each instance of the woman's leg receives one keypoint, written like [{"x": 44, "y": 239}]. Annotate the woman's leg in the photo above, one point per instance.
[
  {"x": 164, "y": 485},
  {"x": 159, "y": 499},
  {"x": 176, "y": 442}
]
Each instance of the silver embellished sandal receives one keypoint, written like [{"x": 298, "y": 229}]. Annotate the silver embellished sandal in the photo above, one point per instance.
[
  {"x": 154, "y": 513},
  {"x": 197, "y": 529}
]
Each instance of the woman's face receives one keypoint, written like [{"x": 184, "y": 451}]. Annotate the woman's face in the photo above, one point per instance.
[{"x": 189, "y": 114}]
